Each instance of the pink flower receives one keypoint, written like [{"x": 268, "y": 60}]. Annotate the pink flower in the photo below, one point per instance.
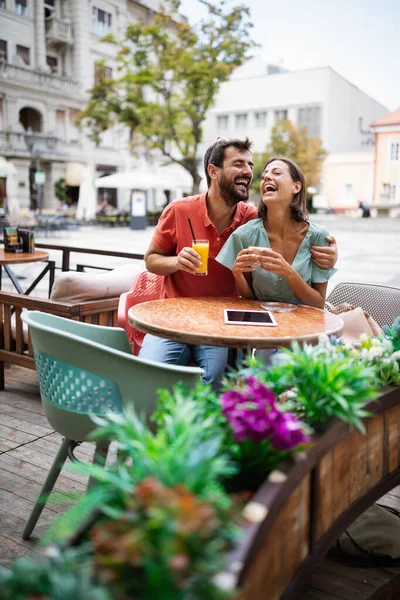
[{"x": 253, "y": 413}]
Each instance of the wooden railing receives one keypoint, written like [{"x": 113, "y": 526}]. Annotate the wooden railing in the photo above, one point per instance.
[
  {"x": 66, "y": 252},
  {"x": 15, "y": 346}
]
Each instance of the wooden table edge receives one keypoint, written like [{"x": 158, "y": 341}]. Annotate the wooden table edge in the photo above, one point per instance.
[{"x": 206, "y": 340}]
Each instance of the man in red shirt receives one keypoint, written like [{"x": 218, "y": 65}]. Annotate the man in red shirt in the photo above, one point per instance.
[{"x": 214, "y": 215}]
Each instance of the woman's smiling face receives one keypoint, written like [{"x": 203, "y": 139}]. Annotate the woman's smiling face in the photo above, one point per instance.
[{"x": 277, "y": 183}]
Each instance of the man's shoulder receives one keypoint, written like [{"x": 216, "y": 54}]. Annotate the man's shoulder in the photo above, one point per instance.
[
  {"x": 182, "y": 202},
  {"x": 246, "y": 212},
  {"x": 181, "y": 206}
]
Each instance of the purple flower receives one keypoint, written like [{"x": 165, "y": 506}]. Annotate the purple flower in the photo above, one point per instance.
[{"x": 253, "y": 414}]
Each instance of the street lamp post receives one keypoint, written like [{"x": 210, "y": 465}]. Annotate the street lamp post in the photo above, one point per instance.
[{"x": 35, "y": 153}]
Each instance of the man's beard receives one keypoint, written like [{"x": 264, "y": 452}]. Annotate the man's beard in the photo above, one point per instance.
[{"x": 229, "y": 192}]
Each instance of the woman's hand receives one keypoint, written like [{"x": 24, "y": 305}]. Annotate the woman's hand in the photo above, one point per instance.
[
  {"x": 245, "y": 262},
  {"x": 272, "y": 261}
]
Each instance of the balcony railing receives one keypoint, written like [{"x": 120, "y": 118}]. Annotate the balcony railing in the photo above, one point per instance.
[
  {"x": 15, "y": 142},
  {"x": 38, "y": 80},
  {"x": 58, "y": 31}
]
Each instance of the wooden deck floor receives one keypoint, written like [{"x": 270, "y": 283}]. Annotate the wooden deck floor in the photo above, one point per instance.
[{"x": 27, "y": 448}]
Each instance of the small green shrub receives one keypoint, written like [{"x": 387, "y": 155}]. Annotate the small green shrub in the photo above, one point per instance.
[
  {"x": 317, "y": 382},
  {"x": 67, "y": 575}
]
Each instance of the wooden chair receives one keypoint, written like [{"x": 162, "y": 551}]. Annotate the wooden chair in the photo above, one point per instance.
[
  {"x": 89, "y": 370},
  {"x": 15, "y": 347}
]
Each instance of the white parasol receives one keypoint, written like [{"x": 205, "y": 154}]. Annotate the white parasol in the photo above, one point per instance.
[{"x": 87, "y": 201}]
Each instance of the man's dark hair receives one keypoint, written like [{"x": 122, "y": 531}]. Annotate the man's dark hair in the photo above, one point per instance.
[
  {"x": 216, "y": 153},
  {"x": 298, "y": 205}
]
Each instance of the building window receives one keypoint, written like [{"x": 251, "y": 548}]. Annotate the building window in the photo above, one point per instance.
[
  {"x": 310, "y": 117},
  {"x": 241, "y": 121},
  {"x": 395, "y": 151},
  {"x": 389, "y": 192},
  {"x": 21, "y": 7},
  {"x": 3, "y": 50},
  {"x": 52, "y": 62},
  {"x": 73, "y": 131},
  {"x": 101, "y": 72},
  {"x": 60, "y": 124},
  {"x": 348, "y": 194},
  {"x": 280, "y": 115},
  {"x": 2, "y": 3},
  {"x": 260, "y": 119},
  {"x": 24, "y": 53},
  {"x": 1, "y": 116},
  {"x": 49, "y": 8},
  {"x": 222, "y": 122},
  {"x": 101, "y": 21}
]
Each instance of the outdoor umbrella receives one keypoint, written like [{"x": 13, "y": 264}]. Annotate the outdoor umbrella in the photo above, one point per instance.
[
  {"x": 153, "y": 178},
  {"x": 87, "y": 201}
]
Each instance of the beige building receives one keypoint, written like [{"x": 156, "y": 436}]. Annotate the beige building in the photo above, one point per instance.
[
  {"x": 346, "y": 180},
  {"x": 387, "y": 160},
  {"x": 48, "y": 50},
  {"x": 370, "y": 177}
]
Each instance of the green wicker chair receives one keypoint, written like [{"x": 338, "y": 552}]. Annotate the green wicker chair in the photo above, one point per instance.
[{"x": 88, "y": 369}]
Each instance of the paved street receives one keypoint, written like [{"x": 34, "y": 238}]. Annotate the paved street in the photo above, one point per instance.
[{"x": 369, "y": 249}]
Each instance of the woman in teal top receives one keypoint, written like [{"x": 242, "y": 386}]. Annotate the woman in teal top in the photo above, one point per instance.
[{"x": 270, "y": 257}]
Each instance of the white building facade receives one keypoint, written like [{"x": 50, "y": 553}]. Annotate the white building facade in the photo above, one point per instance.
[
  {"x": 48, "y": 50},
  {"x": 330, "y": 107}
]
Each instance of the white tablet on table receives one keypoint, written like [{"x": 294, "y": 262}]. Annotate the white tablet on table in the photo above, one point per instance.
[{"x": 232, "y": 316}]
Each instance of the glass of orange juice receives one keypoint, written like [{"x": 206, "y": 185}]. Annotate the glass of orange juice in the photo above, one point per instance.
[{"x": 202, "y": 248}]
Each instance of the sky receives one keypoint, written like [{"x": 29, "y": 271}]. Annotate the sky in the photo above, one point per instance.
[{"x": 360, "y": 39}]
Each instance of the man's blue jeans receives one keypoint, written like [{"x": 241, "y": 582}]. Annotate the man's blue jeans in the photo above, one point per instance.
[{"x": 210, "y": 358}]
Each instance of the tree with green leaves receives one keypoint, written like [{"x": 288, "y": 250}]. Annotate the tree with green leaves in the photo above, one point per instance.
[
  {"x": 168, "y": 75},
  {"x": 286, "y": 140}
]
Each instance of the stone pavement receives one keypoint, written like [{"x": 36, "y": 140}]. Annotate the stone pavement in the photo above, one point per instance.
[{"x": 369, "y": 249}]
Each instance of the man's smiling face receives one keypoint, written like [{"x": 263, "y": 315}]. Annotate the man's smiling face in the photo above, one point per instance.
[{"x": 235, "y": 175}]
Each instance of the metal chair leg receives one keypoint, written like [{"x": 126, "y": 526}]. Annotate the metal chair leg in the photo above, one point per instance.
[
  {"x": 99, "y": 458},
  {"x": 48, "y": 485}
]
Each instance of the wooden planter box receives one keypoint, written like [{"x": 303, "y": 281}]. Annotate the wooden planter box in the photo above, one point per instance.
[{"x": 303, "y": 507}]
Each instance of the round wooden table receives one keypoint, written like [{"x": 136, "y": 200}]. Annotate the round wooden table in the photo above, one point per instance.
[
  {"x": 18, "y": 258},
  {"x": 201, "y": 321}
]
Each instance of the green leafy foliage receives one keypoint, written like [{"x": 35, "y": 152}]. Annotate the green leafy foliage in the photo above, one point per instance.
[
  {"x": 318, "y": 382},
  {"x": 186, "y": 447},
  {"x": 393, "y": 333},
  {"x": 163, "y": 522},
  {"x": 59, "y": 575},
  {"x": 379, "y": 354},
  {"x": 60, "y": 190},
  {"x": 168, "y": 544},
  {"x": 167, "y": 77},
  {"x": 286, "y": 140},
  {"x": 250, "y": 461}
]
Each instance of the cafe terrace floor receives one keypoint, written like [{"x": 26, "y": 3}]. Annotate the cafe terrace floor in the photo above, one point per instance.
[{"x": 27, "y": 448}]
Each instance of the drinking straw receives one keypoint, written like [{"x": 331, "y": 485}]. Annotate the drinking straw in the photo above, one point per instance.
[{"x": 191, "y": 229}]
